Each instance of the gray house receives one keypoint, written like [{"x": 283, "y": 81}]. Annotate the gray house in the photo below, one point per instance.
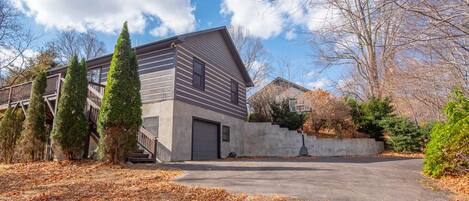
[{"x": 193, "y": 89}]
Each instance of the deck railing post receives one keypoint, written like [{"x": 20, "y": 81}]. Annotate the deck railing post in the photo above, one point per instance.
[{"x": 57, "y": 91}]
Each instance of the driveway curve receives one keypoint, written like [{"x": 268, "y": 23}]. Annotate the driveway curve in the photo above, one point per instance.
[{"x": 326, "y": 178}]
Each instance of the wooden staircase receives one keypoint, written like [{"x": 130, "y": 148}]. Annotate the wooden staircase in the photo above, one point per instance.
[{"x": 147, "y": 142}]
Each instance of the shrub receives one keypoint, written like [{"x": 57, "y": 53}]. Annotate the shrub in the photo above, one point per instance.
[
  {"x": 367, "y": 115},
  {"x": 70, "y": 126},
  {"x": 120, "y": 112},
  {"x": 448, "y": 149},
  {"x": 34, "y": 136},
  {"x": 10, "y": 131},
  {"x": 404, "y": 135},
  {"x": 327, "y": 111},
  {"x": 257, "y": 117},
  {"x": 259, "y": 103},
  {"x": 282, "y": 116}
]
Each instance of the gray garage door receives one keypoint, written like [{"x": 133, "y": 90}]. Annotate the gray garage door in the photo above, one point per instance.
[{"x": 204, "y": 140}]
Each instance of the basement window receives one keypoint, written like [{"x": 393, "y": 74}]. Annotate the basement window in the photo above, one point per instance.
[
  {"x": 151, "y": 124},
  {"x": 225, "y": 134}
]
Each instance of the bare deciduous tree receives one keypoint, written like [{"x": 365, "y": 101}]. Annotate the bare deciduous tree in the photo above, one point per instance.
[
  {"x": 363, "y": 34},
  {"x": 413, "y": 50},
  {"x": 15, "y": 41},
  {"x": 252, "y": 53},
  {"x": 84, "y": 45}
]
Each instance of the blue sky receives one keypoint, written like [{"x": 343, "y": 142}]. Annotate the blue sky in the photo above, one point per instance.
[{"x": 281, "y": 26}]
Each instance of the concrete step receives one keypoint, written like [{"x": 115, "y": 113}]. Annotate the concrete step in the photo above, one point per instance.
[
  {"x": 140, "y": 160},
  {"x": 139, "y": 151},
  {"x": 139, "y": 155}
]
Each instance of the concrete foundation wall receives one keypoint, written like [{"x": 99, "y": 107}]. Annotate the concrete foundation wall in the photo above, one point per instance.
[
  {"x": 182, "y": 130},
  {"x": 164, "y": 110},
  {"x": 246, "y": 138},
  {"x": 265, "y": 139}
]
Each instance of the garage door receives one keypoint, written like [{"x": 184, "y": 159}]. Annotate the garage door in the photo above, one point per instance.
[{"x": 204, "y": 140}]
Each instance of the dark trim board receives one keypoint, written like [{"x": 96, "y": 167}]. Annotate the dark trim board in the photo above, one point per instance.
[{"x": 218, "y": 124}]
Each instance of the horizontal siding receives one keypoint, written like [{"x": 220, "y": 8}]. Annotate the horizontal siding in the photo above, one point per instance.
[
  {"x": 217, "y": 96},
  {"x": 157, "y": 74},
  {"x": 157, "y": 86},
  {"x": 214, "y": 47}
]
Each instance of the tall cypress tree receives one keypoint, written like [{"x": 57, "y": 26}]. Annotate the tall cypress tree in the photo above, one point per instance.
[
  {"x": 70, "y": 126},
  {"x": 10, "y": 131},
  {"x": 34, "y": 136},
  {"x": 120, "y": 111}
]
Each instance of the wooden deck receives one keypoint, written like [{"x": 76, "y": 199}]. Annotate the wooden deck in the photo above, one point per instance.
[{"x": 20, "y": 93}]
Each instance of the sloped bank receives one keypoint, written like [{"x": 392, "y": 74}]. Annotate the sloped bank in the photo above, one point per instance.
[{"x": 265, "y": 139}]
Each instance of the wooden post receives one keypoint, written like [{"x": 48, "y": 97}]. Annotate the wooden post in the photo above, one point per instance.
[
  {"x": 57, "y": 91},
  {"x": 155, "y": 148},
  {"x": 49, "y": 151},
  {"x": 9, "y": 97}
]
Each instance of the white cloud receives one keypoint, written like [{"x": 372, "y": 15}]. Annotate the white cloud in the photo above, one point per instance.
[
  {"x": 321, "y": 83},
  {"x": 259, "y": 18},
  {"x": 266, "y": 18},
  {"x": 108, "y": 15},
  {"x": 290, "y": 35}
]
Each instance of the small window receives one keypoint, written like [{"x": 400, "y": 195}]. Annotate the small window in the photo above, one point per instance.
[
  {"x": 225, "y": 134},
  {"x": 151, "y": 124},
  {"x": 234, "y": 92},
  {"x": 94, "y": 75},
  {"x": 198, "y": 74},
  {"x": 292, "y": 104}
]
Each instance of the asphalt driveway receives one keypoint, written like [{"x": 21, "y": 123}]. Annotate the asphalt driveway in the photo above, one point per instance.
[{"x": 331, "y": 178}]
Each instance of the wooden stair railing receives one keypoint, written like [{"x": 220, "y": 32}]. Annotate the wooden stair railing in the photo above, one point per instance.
[{"x": 145, "y": 139}]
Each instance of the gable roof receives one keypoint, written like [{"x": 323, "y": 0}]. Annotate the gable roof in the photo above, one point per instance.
[
  {"x": 280, "y": 80},
  {"x": 179, "y": 39}
]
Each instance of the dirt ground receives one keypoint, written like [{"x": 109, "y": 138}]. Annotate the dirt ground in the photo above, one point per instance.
[{"x": 89, "y": 180}]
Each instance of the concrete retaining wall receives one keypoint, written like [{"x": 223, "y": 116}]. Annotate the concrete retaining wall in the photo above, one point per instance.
[{"x": 265, "y": 139}]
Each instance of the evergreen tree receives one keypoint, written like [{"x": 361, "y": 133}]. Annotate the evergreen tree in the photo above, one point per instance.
[
  {"x": 34, "y": 136},
  {"x": 10, "y": 131},
  {"x": 70, "y": 126},
  {"x": 120, "y": 111}
]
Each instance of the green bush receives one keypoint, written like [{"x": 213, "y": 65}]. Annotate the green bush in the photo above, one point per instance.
[
  {"x": 257, "y": 117},
  {"x": 367, "y": 115},
  {"x": 404, "y": 135},
  {"x": 448, "y": 149},
  {"x": 282, "y": 116},
  {"x": 34, "y": 136},
  {"x": 70, "y": 126},
  {"x": 10, "y": 131},
  {"x": 120, "y": 112}
]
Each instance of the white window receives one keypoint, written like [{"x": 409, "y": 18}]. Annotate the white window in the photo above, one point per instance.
[
  {"x": 94, "y": 75},
  {"x": 292, "y": 104}
]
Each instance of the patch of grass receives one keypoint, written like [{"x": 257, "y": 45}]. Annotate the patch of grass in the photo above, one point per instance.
[{"x": 90, "y": 180}]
